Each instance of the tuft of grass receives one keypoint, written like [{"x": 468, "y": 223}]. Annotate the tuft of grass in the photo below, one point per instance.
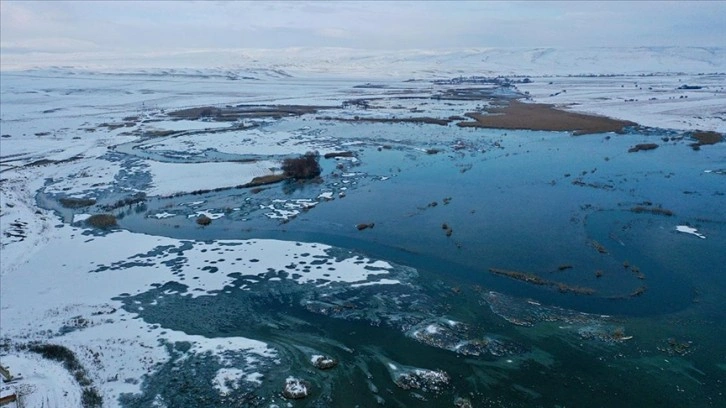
[
  {"x": 90, "y": 397},
  {"x": 57, "y": 353},
  {"x": 203, "y": 220},
  {"x": 302, "y": 168},
  {"x": 102, "y": 220},
  {"x": 128, "y": 201},
  {"x": 264, "y": 180},
  {"x": 71, "y": 202}
]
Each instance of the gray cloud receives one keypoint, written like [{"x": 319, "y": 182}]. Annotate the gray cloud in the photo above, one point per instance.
[{"x": 131, "y": 26}]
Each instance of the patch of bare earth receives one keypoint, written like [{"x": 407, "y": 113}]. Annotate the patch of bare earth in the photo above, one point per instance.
[{"x": 537, "y": 116}]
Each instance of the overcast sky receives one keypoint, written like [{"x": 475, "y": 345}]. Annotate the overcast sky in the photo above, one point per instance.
[{"x": 143, "y": 26}]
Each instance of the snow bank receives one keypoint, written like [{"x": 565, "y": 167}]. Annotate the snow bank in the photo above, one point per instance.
[
  {"x": 257, "y": 142},
  {"x": 171, "y": 178},
  {"x": 654, "y": 101},
  {"x": 44, "y": 383}
]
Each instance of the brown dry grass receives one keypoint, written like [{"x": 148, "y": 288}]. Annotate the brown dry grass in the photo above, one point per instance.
[
  {"x": 203, "y": 220},
  {"x": 267, "y": 179},
  {"x": 537, "y": 116},
  {"x": 232, "y": 113},
  {"x": 419, "y": 120},
  {"x": 706, "y": 138},
  {"x": 102, "y": 220},
  {"x": 536, "y": 280},
  {"x": 72, "y": 202}
]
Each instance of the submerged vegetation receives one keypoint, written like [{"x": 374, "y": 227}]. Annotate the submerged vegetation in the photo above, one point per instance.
[
  {"x": 653, "y": 210},
  {"x": 537, "y": 280},
  {"x": 72, "y": 202},
  {"x": 643, "y": 147},
  {"x": 136, "y": 198}
]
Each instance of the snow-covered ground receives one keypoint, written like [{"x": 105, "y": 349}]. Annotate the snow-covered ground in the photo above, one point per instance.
[
  {"x": 42, "y": 383},
  {"x": 171, "y": 178},
  {"x": 655, "y": 101},
  {"x": 638, "y": 84},
  {"x": 251, "y": 142}
]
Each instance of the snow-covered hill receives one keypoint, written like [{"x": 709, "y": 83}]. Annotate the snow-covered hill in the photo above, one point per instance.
[
  {"x": 397, "y": 64},
  {"x": 504, "y": 61}
]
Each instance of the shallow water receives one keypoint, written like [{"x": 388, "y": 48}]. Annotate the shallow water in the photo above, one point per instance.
[{"x": 505, "y": 212}]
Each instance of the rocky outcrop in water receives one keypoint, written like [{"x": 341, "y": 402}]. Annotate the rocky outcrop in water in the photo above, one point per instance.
[
  {"x": 642, "y": 146},
  {"x": 295, "y": 388},
  {"x": 323, "y": 362},
  {"x": 424, "y": 380},
  {"x": 461, "y": 339}
]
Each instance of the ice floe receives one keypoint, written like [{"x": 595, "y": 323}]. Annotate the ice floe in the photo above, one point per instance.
[
  {"x": 287, "y": 209},
  {"x": 208, "y": 214},
  {"x": 163, "y": 215},
  {"x": 80, "y": 217},
  {"x": 690, "y": 230}
]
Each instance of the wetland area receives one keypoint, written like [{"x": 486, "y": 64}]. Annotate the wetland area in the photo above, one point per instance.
[{"x": 444, "y": 243}]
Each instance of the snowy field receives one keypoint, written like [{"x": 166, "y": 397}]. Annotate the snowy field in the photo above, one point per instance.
[
  {"x": 655, "y": 101},
  {"x": 63, "y": 283}
]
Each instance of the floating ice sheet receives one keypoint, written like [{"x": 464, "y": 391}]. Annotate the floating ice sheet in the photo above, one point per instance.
[{"x": 690, "y": 230}]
